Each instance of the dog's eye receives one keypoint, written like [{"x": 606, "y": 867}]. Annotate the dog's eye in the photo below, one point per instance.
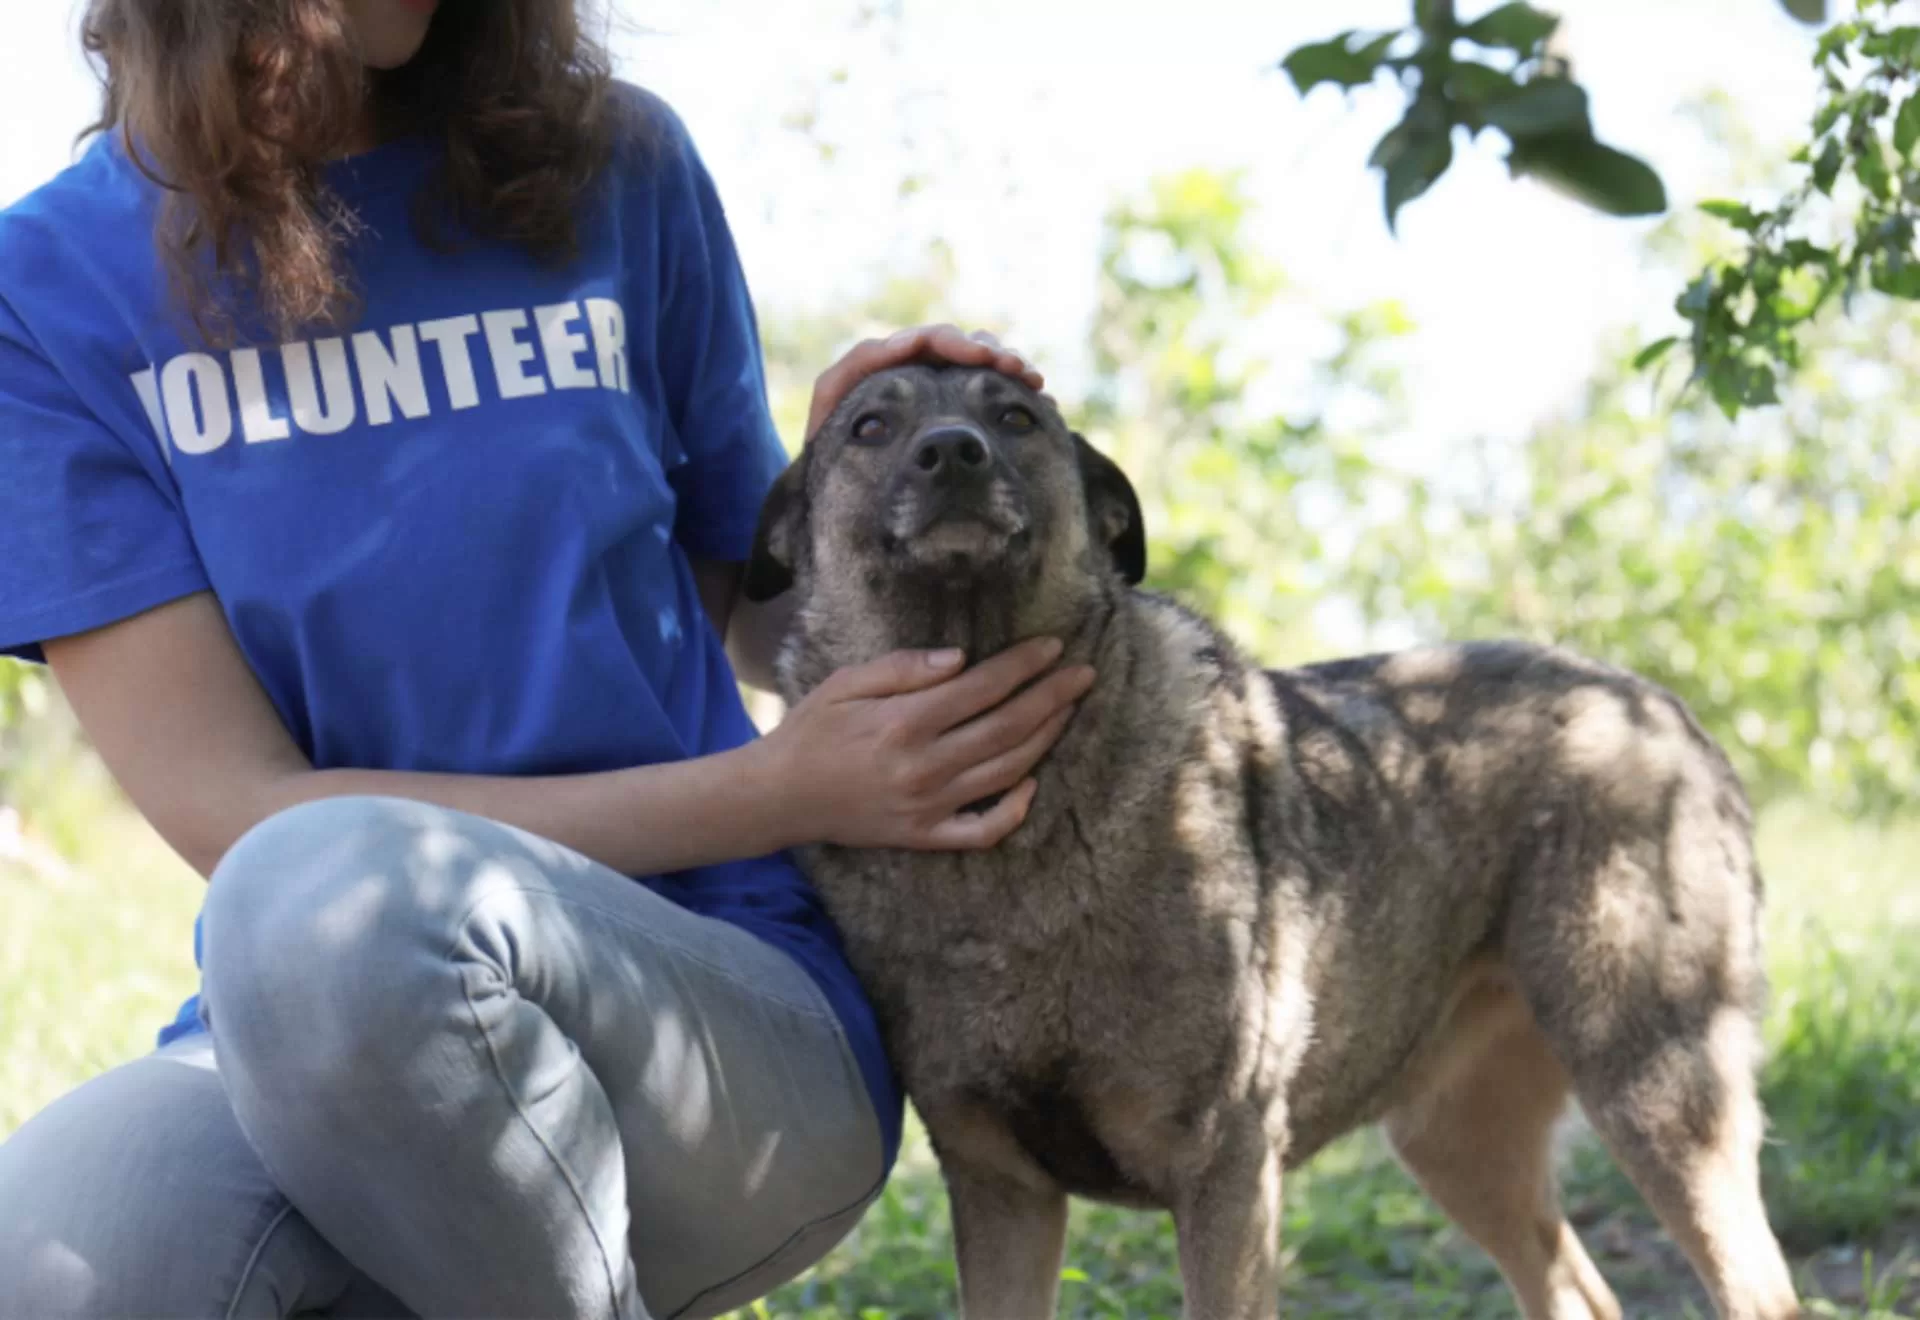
[
  {"x": 870, "y": 429},
  {"x": 1017, "y": 418}
]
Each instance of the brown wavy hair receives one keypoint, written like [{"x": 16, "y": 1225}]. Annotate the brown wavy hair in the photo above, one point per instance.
[{"x": 234, "y": 107}]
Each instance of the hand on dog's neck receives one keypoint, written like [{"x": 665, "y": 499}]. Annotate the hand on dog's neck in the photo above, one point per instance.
[{"x": 980, "y": 617}]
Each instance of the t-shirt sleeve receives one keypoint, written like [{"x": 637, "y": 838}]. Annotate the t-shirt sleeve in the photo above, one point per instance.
[
  {"x": 88, "y": 534},
  {"x": 710, "y": 363}
]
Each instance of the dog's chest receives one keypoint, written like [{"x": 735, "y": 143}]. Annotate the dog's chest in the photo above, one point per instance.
[
  {"x": 973, "y": 960},
  {"x": 1045, "y": 983}
]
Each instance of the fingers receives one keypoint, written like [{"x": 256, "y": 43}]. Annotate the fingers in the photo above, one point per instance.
[
  {"x": 971, "y": 833},
  {"x": 1010, "y": 725},
  {"x": 834, "y": 384},
  {"x": 1002, "y": 772},
  {"x": 1004, "y": 359},
  {"x": 984, "y": 686},
  {"x": 950, "y": 343},
  {"x": 894, "y": 674},
  {"x": 946, "y": 342}
]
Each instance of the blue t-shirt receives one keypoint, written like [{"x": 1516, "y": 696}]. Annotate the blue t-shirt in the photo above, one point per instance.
[{"x": 453, "y": 537}]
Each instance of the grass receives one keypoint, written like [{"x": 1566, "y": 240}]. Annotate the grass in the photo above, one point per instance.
[{"x": 95, "y": 954}]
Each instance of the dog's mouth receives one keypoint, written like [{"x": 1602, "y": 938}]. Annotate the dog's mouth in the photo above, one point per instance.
[{"x": 958, "y": 536}]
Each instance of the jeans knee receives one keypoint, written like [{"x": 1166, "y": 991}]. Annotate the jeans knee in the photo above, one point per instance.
[{"x": 325, "y": 929}]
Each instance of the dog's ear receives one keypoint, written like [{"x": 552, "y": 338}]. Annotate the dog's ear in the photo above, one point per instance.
[
  {"x": 1113, "y": 511},
  {"x": 776, "y": 540}
]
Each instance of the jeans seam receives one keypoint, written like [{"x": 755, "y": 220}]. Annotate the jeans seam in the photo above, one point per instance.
[
  {"x": 566, "y": 1173},
  {"x": 821, "y": 1009},
  {"x": 866, "y": 1198},
  {"x": 791, "y": 1238},
  {"x": 253, "y": 1259}
]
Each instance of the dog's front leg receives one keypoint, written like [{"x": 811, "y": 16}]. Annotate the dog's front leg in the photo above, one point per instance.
[
  {"x": 1009, "y": 1237},
  {"x": 1227, "y": 1220}
]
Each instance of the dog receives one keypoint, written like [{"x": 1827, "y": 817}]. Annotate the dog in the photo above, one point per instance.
[{"x": 1442, "y": 890}]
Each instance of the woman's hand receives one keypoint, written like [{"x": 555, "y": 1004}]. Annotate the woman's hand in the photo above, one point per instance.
[
  {"x": 946, "y": 342},
  {"x": 885, "y": 754}
]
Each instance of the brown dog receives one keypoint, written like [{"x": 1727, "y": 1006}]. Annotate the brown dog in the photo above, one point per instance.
[{"x": 1252, "y": 910}]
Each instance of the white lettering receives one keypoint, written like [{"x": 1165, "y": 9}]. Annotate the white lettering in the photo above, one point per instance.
[
  {"x": 510, "y": 355},
  {"x": 199, "y": 418},
  {"x": 609, "y": 325},
  {"x": 257, "y": 421},
  {"x": 196, "y": 402},
  {"x": 450, "y": 335},
  {"x": 390, "y": 378},
  {"x": 563, "y": 347},
  {"x": 304, "y": 398},
  {"x": 147, "y": 385}
]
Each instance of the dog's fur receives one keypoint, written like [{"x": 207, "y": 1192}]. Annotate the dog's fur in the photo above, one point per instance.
[{"x": 1251, "y": 910}]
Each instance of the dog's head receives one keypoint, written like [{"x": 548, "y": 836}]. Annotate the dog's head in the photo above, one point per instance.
[{"x": 938, "y": 489}]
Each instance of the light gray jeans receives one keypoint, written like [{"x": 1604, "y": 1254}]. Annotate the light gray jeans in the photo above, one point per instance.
[{"x": 455, "y": 1071}]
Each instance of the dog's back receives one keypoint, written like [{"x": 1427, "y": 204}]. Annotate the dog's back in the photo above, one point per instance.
[
  {"x": 1444, "y": 889},
  {"x": 1337, "y": 894},
  {"x": 1512, "y": 806}
]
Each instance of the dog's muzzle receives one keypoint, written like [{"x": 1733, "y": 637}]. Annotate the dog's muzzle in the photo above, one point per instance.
[{"x": 950, "y": 479}]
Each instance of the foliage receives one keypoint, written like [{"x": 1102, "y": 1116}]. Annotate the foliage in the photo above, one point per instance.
[
  {"x": 797, "y": 348},
  {"x": 1512, "y": 84},
  {"x": 1175, "y": 400},
  {"x": 1769, "y": 574},
  {"x": 23, "y": 693},
  {"x": 1749, "y": 314},
  {"x": 15, "y": 677}
]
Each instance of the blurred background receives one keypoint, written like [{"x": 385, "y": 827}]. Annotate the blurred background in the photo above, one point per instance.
[{"x": 1346, "y": 438}]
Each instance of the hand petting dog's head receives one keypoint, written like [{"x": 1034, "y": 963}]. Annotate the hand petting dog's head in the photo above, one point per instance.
[{"x": 943, "y": 489}]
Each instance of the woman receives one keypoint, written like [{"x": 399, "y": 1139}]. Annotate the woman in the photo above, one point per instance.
[{"x": 380, "y": 412}]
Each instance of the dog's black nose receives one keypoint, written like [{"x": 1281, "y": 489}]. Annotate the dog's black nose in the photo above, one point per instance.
[{"x": 952, "y": 452}]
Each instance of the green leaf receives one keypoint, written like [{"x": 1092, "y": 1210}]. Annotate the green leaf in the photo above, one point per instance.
[
  {"x": 1898, "y": 46},
  {"x": 1735, "y": 385},
  {"x": 1870, "y": 167},
  {"x": 1827, "y": 168},
  {"x": 1541, "y": 106},
  {"x": 1807, "y": 11},
  {"x": 1801, "y": 252},
  {"x": 1696, "y": 298},
  {"x": 1653, "y": 352},
  {"x": 1833, "y": 42},
  {"x": 1906, "y": 126},
  {"x": 1337, "y": 61},
  {"x": 1413, "y": 154},
  {"x": 1897, "y": 277},
  {"x": 1734, "y": 213},
  {"x": 1515, "y": 27},
  {"x": 1723, "y": 382},
  {"x": 1473, "y": 84},
  {"x": 1609, "y": 181}
]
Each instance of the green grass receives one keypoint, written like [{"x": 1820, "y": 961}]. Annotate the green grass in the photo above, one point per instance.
[{"x": 93, "y": 958}]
